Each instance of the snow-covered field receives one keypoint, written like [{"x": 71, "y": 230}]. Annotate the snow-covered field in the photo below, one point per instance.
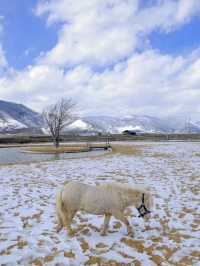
[{"x": 171, "y": 237}]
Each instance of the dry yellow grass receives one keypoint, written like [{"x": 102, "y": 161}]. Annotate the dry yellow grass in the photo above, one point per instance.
[
  {"x": 61, "y": 149},
  {"x": 125, "y": 149},
  {"x": 69, "y": 254},
  {"x": 70, "y": 148}
]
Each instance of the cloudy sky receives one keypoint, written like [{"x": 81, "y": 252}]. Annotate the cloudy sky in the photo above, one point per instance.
[{"x": 113, "y": 57}]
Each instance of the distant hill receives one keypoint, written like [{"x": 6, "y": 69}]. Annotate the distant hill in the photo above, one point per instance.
[
  {"x": 138, "y": 123},
  {"x": 109, "y": 124},
  {"x": 17, "y": 118}
]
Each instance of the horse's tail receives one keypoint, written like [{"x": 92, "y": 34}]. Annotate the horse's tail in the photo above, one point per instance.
[
  {"x": 60, "y": 209},
  {"x": 59, "y": 202}
]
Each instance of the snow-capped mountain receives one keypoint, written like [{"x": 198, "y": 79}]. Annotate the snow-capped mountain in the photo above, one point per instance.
[
  {"x": 108, "y": 124},
  {"x": 80, "y": 124},
  {"x": 134, "y": 122},
  {"x": 16, "y": 118},
  {"x": 138, "y": 123},
  {"x": 180, "y": 124}
]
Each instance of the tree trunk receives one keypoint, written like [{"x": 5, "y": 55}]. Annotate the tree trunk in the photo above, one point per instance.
[{"x": 57, "y": 143}]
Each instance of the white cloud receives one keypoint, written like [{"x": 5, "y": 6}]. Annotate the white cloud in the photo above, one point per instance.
[
  {"x": 186, "y": 9},
  {"x": 167, "y": 15},
  {"x": 95, "y": 61},
  {"x": 101, "y": 32},
  {"x": 3, "y": 61},
  {"x": 97, "y": 32},
  {"x": 147, "y": 83}
]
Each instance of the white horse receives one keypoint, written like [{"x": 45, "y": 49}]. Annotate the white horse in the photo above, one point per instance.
[{"x": 109, "y": 199}]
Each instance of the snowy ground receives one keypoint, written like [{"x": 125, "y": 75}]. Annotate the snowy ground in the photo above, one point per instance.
[{"x": 171, "y": 237}]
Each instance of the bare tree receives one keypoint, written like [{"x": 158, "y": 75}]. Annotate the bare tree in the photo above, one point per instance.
[{"x": 57, "y": 116}]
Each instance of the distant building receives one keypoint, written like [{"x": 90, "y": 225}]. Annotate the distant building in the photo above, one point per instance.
[{"x": 129, "y": 132}]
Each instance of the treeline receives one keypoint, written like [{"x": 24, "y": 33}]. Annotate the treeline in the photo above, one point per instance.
[{"x": 23, "y": 139}]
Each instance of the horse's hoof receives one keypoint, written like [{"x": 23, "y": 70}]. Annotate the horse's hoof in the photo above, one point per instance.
[
  {"x": 130, "y": 234},
  {"x": 71, "y": 234},
  {"x": 58, "y": 229},
  {"x": 103, "y": 233}
]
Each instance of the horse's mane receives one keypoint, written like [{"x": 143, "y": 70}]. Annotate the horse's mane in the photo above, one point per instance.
[{"x": 121, "y": 186}]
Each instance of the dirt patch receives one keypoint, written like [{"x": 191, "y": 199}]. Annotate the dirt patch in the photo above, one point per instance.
[
  {"x": 136, "y": 244},
  {"x": 69, "y": 254}
]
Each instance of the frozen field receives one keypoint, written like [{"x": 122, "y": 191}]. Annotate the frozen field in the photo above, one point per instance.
[{"x": 171, "y": 237}]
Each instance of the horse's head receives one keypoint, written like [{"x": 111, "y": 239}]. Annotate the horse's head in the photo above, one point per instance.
[
  {"x": 144, "y": 208},
  {"x": 143, "y": 202}
]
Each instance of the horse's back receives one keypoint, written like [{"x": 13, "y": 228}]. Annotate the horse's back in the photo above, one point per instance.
[{"x": 99, "y": 200}]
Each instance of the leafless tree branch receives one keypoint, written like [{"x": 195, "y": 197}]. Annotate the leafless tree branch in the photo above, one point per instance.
[{"x": 57, "y": 116}]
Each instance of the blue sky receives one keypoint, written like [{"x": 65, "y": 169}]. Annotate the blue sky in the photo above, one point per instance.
[
  {"x": 25, "y": 35},
  {"x": 181, "y": 41},
  {"x": 52, "y": 49}
]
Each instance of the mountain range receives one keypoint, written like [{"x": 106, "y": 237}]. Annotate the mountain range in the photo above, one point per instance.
[{"x": 17, "y": 118}]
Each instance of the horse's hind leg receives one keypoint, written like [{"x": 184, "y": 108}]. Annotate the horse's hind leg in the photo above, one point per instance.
[
  {"x": 106, "y": 224},
  {"x": 120, "y": 216},
  {"x": 60, "y": 223}
]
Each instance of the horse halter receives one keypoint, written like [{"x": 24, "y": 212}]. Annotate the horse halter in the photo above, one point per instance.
[{"x": 142, "y": 209}]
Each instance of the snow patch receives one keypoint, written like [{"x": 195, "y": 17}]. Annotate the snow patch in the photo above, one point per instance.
[{"x": 79, "y": 124}]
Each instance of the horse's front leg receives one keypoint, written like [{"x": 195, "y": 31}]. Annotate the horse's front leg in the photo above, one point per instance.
[
  {"x": 120, "y": 216},
  {"x": 106, "y": 224}
]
